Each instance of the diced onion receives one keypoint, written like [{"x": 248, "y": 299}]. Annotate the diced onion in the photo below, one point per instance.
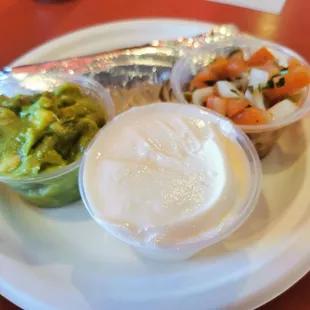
[
  {"x": 258, "y": 78},
  {"x": 281, "y": 110},
  {"x": 199, "y": 95},
  {"x": 256, "y": 98}
]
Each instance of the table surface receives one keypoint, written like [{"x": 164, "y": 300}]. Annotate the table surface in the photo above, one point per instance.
[{"x": 29, "y": 23}]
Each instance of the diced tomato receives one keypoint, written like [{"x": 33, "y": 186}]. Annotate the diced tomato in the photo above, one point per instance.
[
  {"x": 200, "y": 80},
  {"x": 235, "y": 106},
  {"x": 250, "y": 116},
  {"x": 260, "y": 57},
  {"x": 271, "y": 67},
  {"x": 293, "y": 63},
  {"x": 219, "y": 67},
  {"x": 216, "y": 104},
  {"x": 289, "y": 84},
  {"x": 236, "y": 65}
]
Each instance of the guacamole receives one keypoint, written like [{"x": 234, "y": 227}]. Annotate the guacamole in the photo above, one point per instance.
[{"x": 43, "y": 132}]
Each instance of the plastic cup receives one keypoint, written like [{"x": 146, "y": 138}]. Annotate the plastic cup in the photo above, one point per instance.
[
  {"x": 180, "y": 250},
  {"x": 263, "y": 136},
  {"x": 60, "y": 186}
]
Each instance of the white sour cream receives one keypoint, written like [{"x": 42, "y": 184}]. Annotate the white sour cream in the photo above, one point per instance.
[{"x": 164, "y": 174}]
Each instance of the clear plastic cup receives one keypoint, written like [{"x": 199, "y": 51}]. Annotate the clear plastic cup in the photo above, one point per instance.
[
  {"x": 60, "y": 186},
  {"x": 180, "y": 250},
  {"x": 263, "y": 136}
]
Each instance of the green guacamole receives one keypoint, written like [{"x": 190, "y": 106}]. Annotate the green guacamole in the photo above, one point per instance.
[{"x": 43, "y": 132}]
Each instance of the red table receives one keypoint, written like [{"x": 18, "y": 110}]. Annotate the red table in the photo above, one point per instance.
[{"x": 25, "y": 24}]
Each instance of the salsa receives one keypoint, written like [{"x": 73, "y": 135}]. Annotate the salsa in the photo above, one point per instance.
[
  {"x": 43, "y": 132},
  {"x": 256, "y": 91}
]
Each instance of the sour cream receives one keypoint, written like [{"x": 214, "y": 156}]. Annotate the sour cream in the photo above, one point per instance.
[{"x": 164, "y": 174}]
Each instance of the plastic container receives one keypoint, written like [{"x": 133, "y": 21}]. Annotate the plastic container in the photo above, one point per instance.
[
  {"x": 60, "y": 186},
  {"x": 263, "y": 136},
  {"x": 181, "y": 250}
]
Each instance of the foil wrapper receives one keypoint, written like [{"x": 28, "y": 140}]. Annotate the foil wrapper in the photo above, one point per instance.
[{"x": 134, "y": 76}]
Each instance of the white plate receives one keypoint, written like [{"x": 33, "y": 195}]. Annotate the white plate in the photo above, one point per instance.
[{"x": 60, "y": 259}]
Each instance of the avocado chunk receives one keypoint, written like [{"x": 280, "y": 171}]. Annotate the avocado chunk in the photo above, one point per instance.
[{"x": 46, "y": 131}]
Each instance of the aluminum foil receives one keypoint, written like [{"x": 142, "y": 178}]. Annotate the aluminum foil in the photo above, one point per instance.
[{"x": 134, "y": 76}]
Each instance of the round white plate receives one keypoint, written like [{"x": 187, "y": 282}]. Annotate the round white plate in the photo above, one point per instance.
[{"x": 60, "y": 259}]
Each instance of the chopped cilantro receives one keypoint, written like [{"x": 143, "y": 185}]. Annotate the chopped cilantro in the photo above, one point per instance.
[
  {"x": 270, "y": 84},
  {"x": 281, "y": 82},
  {"x": 283, "y": 71},
  {"x": 234, "y": 91},
  {"x": 210, "y": 82}
]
